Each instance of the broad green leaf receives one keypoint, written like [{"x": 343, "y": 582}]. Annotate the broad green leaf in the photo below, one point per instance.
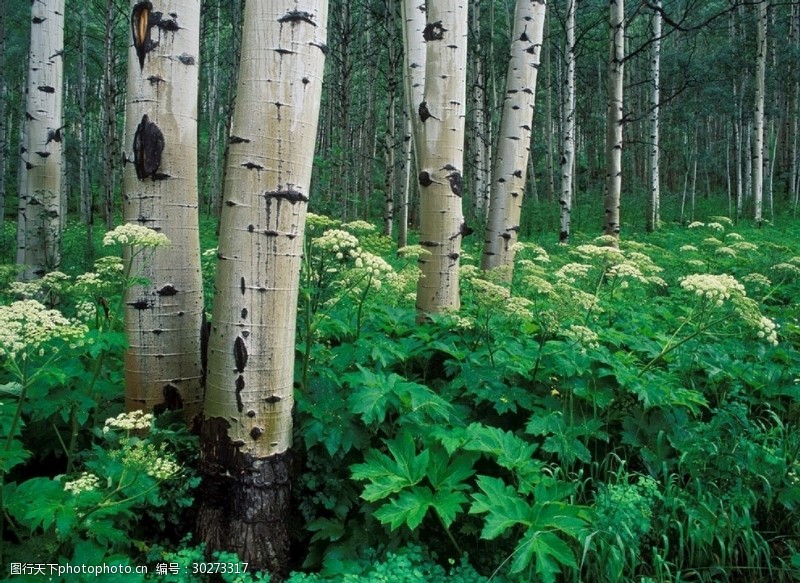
[
  {"x": 448, "y": 504},
  {"x": 326, "y": 529},
  {"x": 550, "y": 553},
  {"x": 409, "y": 508},
  {"x": 502, "y": 504},
  {"x": 390, "y": 475}
]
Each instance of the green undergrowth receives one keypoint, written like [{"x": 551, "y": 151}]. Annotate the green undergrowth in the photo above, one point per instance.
[{"x": 603, "y": 415}]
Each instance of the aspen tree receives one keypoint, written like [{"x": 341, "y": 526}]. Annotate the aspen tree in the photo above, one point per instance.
[
  {"x": 758, "y": 113},
  {"x": 39, "y": 219},
  {"x": 568, "y": 144},
  {"x": 2, "y": 113},
  {"x": 614, "y": 119},
  {"x": 654, "y": 198},
  {"x": 513, "y": 146},
  {"x": 246, "y": 432},
  {"x": 442, "y": 113},
  {"x": 163, "y": 317}
]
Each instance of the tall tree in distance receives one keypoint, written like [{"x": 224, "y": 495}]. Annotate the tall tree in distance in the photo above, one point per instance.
[
  {"x": 654, "y": 198},
  {"x": 39, "y": 219},
  {"x": 513, "y": 145},
  {"x": 758, "y": 113},
  {"x": 614, "y": 119},
  {"x": 568, "y": 141},
  {"x": 246, "y": 432},
  {"x": 163, "y": 317},
  {"x": 441, "y": 157}
]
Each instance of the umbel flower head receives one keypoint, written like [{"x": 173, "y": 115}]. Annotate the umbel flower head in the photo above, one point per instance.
[
  {"x": 26, "y": 326},
  {"x": 135, "y": 236}
]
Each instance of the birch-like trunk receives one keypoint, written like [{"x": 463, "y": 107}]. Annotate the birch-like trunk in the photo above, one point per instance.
[
  {"x": 568, "y": 143},
  {"x": 614, "y": 118},
  {"x": 163, "y": 317},
  {"x": 654, "y": 198},
  {"x": 513, "y": 145},
  {"x": 39, "y": 239},
  {"x": 414, "y": 57},
  {"x": 480, "y": 185},
  {"x": 758, "y": 113},
  {"x": 247, "y": 429},
  {"x": 441, "y": 159},
  {"x": 109, "y": 115}
]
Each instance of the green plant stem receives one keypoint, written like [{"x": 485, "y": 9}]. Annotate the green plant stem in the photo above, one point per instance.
[
  {"x": 669, "y": 347},
  {"x": 449, "y": 535}
]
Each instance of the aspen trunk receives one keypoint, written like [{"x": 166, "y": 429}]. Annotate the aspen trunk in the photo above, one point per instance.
[
  {"x": 480, "y": 185},
  {"x": 389, "y": 137},
  {"x": 758, "y": 114},
  {"x": 568, "y": 143},
  {"x": 247, "y": 429},
  {"x": 614, "y": 120},
  {"x": 654, "y": 198},
  {"x": 109, "y": 116},
  {"x": 163, "y": 317},
  {"x": 513, "y": 146},
  {"x": 39, "y": 241},
  {"x": 414, "y": 57},
  {"x": 86, "y": 202},
  {"x": 441, "y": 159}
]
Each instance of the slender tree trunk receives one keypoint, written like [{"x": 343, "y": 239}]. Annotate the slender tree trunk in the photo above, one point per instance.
[
  {"x": 163, "y": 317},
  {"x": 568, "y": 144},
  {"x": 615, "y": 118},
  {"x": 247, "y": 429},
  {"x": 441, "y": 158},
  {"x": 513, "y": 146},
  {"x": 109, "y": 116},
  {"x": 480, "y": 185},
  {"x": 758, "y": 113},
  {"x": 414, "y": 58},
  {"x": 389, "y": 136},
  {"x": 40, "y": 203},
  {"x": 86, "y": 202},
  {"x": 402, "y": 226},
  {"x": 654, "y": 200},
  {"x": 214, "y": 110},
  {"x": 547, "y": 125}
]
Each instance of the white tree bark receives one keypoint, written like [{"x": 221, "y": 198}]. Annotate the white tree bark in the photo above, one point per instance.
[
  {"x": 414, "y": 58},
  {"x": 568, "y": 144},
  {"x": 654, "y": 198},
  {"x": 513, "y": 146},
  {"x": 441, "y": 159},
  {"x": 247, "y": 425},
  {"x": 614, "y": 119},
  {"x": 758, "y": 114},
  {"x": 163, "y": 317},
  {"x": 39, "y": 236}
]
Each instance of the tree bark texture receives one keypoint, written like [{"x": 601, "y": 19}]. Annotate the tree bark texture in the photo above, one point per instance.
[
  {"x": 568, "y": 143},
  {"x": 39, "y": 240},
  {"x": 414, "y": 57},
  {"x": 163, "y": 317},
  {"x": 614, "y": 119},
  {"x": 3, "y": 130},
  {"x": 513, "y": 145},
  {"x": 247, "y": 427},
  {"x": 441, "y": 159},
  {"x": 654, "y": 198},
  {"x": 758, "y": 113}
]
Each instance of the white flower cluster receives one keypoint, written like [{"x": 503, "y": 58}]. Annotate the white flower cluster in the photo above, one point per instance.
[
  {"x": 316, "y": 222},
  {"x": 163, "y": 469},
  {"x": 86, "y": 311},
  {"x": 715, "y": 288},
  {"x": 519, "y": 308},
  {"x": 734, "y": 237},
  {"x": 571, "y": 272},
  {"x": 538, "y": 285},
  {"x": 129, "y": 421},
  {"x": 786, "y": 270},
  {"x": 135, "y": 236},
  {"x": 716, "y": 227},
  {"x": 768, "y": 330},
  {"x": 412, "y": 252},
  {"x": 584, "y": 336},
  {"x": 336, "y": 241},
  {"x": 55, "y": 281},
  {"x": 712, "y": 242},
  {"x": 688, "y": 249},
  {"x": 725, "y": 251},
  {"x": 26, "y": 325},
  {"x": 489, "y": 292},
  {"x": 746, "y": 246},
  {"x": 724, "y": 220},
  {"x": 595, "y": 252},
  {"x": 625, "y": 272},
  {"x": 374, "y": 266},
  {"x": 359, "y": 226},
  {"x": 696, "y": 225},
  {"x": 85, "y": 483},
  {"x": 757, "y": 280},
  {"x": 155, "y": 462}
]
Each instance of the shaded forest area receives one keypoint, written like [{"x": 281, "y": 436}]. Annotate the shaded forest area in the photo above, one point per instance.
[{"x": 708, "y": 69}]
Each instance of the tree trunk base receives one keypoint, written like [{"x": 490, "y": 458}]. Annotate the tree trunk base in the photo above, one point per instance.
[{"x": 244, "y": 502}]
